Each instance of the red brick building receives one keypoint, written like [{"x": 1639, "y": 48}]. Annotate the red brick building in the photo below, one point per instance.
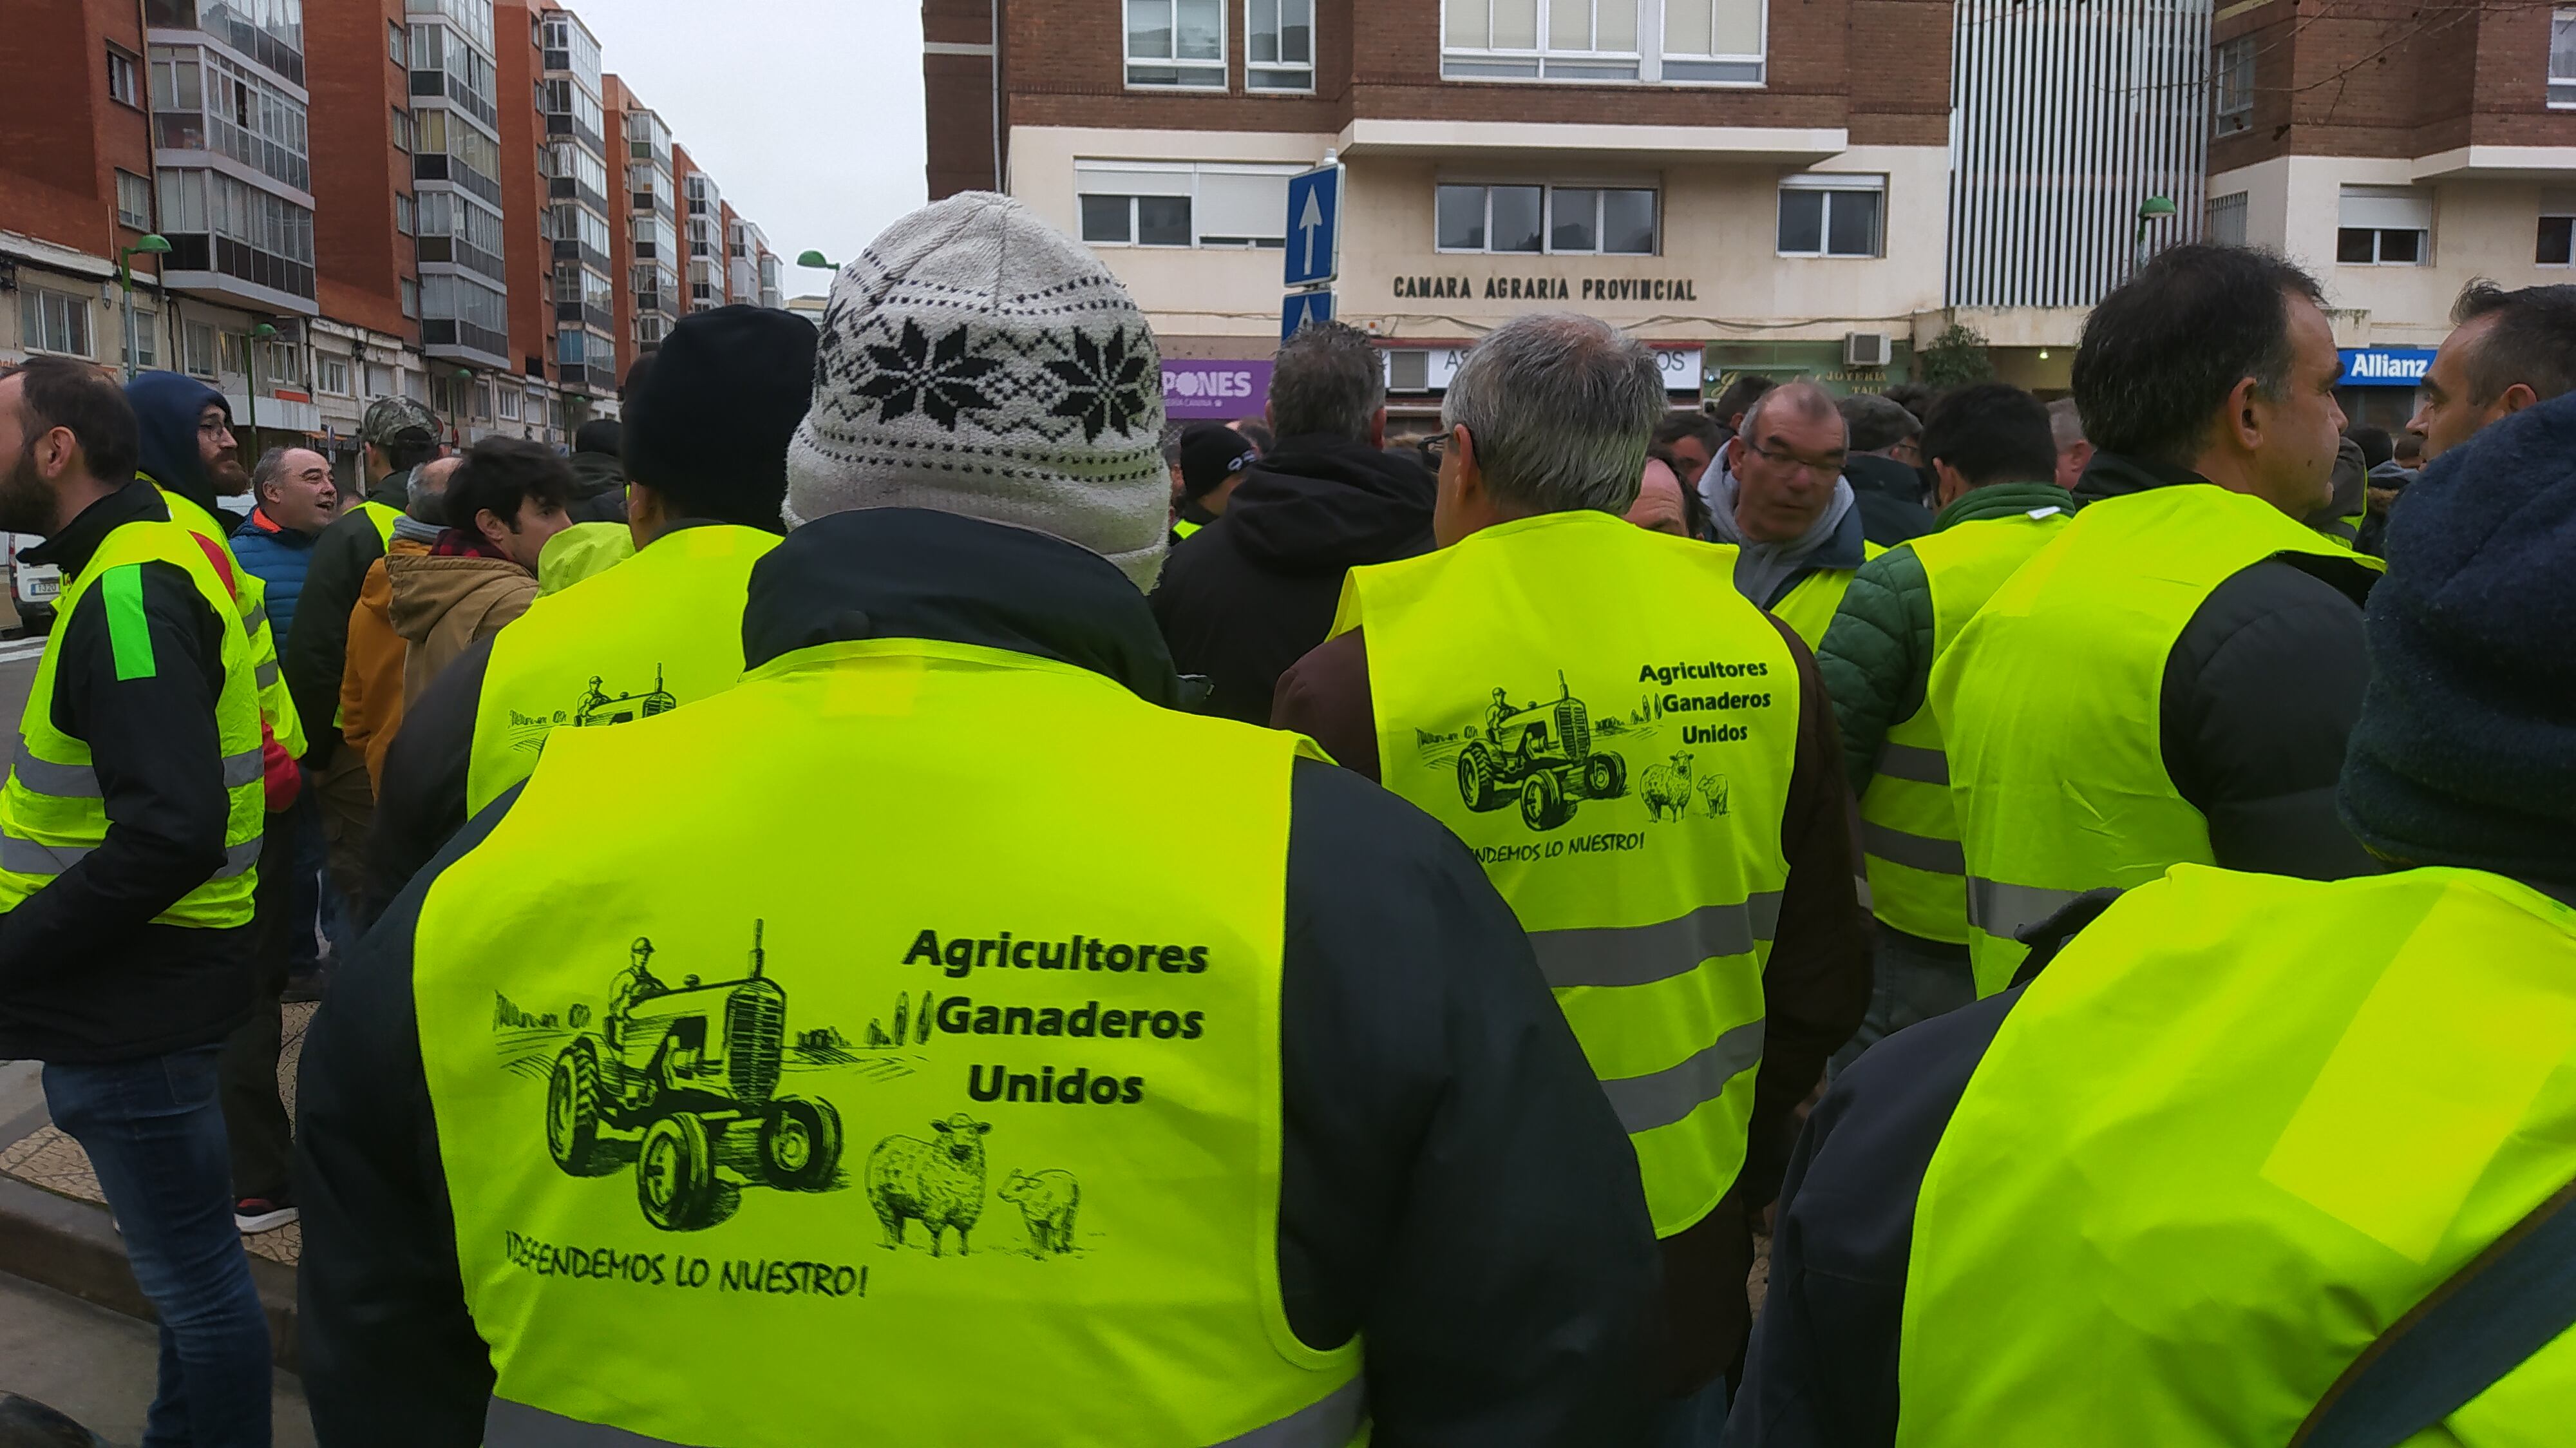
[
  {"x": 75, "y": 182},
  {"x": 1748, "y": 185},
  {"x": 2397, "y": 151},
  {"x": 366, "y": 337}
]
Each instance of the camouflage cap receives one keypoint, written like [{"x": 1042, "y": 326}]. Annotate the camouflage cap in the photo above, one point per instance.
[{"x": 398, "y": 421}]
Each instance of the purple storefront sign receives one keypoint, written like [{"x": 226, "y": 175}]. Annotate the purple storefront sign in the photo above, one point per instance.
[{"x": 1224, "y": 391}]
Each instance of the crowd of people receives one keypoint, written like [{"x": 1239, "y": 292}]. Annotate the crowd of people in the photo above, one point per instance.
[{"x": 2086, "y": 885}]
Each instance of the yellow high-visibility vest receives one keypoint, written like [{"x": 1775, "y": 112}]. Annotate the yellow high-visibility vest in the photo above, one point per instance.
[
  {"x": 2238, "y": 1128},
  {"x": 1809, "y": 607},
  {"x": 246, "y": 592},
  {"x": 2050, "y": 703},
  {"x": 1909, "y": 828},
  {"x": 53, "y": 811},
  {"x": 1609, "y": 725},
  {"x": 893, "y": 1063},
  {"x": 657, "y": 631}
]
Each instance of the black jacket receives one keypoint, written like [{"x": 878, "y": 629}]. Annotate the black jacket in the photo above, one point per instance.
[
  {"x": 599, "y": 488},
  {"x": 84, "y": 975},
  {"x": 1454, "y": 1187},
  {"x": 1888, "y": 495},
  {"x": 1250, "y": 593},
  {"x": 314, "y": 651},
  {"x": 2260, "y": 693}
]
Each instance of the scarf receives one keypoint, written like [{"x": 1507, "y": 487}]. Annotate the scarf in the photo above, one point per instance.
[
  {"x": 465, "y": 543},
  {"x": 1760, "y": 568}
]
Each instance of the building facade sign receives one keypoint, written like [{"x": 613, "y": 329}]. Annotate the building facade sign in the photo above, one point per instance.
[
  {"x": 2384, "y": 366},
  {"x": 1679, "y": 365},
  {"x": 1194, "y": 388},
  {"x": 1544, "y": 289}
]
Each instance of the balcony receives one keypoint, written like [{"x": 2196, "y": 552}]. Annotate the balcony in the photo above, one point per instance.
[
  {"x": 462, "y": 253},
  {"x": 280, "y": 52},
  {"x": 449, "y": 340},
  {"x": 571, "y": 249},
  {"x": 439, "y": 83},
  {"x": 1677, "y": 145},
  {"x": 219, "y": 266},
  {"x": 596, "y": 377},
  {"x": 598, "y": 319}
]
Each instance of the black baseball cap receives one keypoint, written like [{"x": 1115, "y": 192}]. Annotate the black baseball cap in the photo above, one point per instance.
[{"x": 1212, "y": 452}]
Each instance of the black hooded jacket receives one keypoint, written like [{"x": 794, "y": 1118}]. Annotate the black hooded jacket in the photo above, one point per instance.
[
  {"x": 166, "y": 408},
  {"x": 1454, "y": 1187},
  {"x": 1889, "y": 498},
  {"x": 1249, "y": 594}
]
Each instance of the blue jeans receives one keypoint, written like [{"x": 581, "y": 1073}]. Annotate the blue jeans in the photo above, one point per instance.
[
  {"x": 1697, "y": 1421},
  {"x": 155, "y": 1134},
  {"x": 1913, "y": 979}
]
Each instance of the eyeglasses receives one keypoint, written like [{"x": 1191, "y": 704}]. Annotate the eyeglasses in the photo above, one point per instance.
[
  {"x": 213, "y": 427},
  {"x": 1828, "y": 467}
]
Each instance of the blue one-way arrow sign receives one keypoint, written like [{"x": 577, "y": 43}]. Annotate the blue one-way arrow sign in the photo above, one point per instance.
[
  {"x": 1314, "y": 227},
  {"x": 1304, "y": 307}
]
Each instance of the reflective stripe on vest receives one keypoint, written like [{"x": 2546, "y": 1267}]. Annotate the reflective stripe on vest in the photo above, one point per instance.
[
  {"x": 53, "y": 811},
  {"x": 249, "y": 594},
  {"x": 653, "y": 633},
  {"x": 1599, "y": 714},
  {"x": 2048, "y": 701},
  {"x": 1183, "y": 528},
  {"x": 1333, "y": 1422},
  {"x": 1909, "y": 828},
  {"x": 736, "y": 1120},
  {"x": 2239, "y": 1127}
]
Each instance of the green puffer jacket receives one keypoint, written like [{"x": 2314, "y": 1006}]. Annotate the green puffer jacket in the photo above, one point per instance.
[{"x": 1877, "y": 655}]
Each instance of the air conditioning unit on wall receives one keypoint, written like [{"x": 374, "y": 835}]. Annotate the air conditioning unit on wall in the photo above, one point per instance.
[{"x": 1865, "y": 349}]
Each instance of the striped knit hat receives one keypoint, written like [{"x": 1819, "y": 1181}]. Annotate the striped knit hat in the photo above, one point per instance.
[{"x": 976, "y": 360}]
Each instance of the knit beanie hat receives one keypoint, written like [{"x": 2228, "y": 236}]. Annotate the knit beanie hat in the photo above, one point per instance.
[
  {"x": 708, "y": 424},
  {"x": 2465, "y": 753},
  {"x": 976, "y": 360}
]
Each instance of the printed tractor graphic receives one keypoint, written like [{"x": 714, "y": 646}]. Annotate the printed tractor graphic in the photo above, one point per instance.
[
  {"x": 597, "y": 708},
  {"x": 1544, "y": 753},
  {"x": 681, "y": 1081}
]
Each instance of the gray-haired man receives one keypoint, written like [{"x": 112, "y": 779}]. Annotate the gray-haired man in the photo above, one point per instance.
[{"x": 1646, "y": 765}]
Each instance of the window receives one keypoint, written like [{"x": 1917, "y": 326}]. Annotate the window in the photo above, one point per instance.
[
  {"x": 1211, "y": 204},
  {"x": 405, "y": 139},
  {"x": 2562, "y": 58},
  {"x": 138, "y": 340},
  {"x": 1708, "y": 42},
  {"x": 1615, "y": 220},
  {"x": 54, "y": 321},
  {"x": 397, "y": 44},
  {"x": 123, "y": 84},
  {"x": 331, "y": 374},
  {"x": 133, "y": 201},
  {"x": 2232, "y": 84},
  {"x": 406, "y": 214},
  {"x": 233, "y": 353},
  {"x": 2227, "y": 219},
  {"x": 1176, "y": 43},
  {"x": 410, "y": 297},
  {"x": 2384, "y": 226},
  {"x": 1833, "y": 215},
  {"x": 2557, "y": 229},
  {"x": 508, "y": 400},
  {"x": 1279, "y": 45},
  {"x": 197, "y": 345}
]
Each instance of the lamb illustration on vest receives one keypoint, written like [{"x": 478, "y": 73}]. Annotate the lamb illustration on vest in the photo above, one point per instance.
[
  {"x": 1668, "y": 787},
  {"x": 1047, "y": 1201},
  {"x": 1713, "y": 792},
  {"x": 940, "y": 1183}
]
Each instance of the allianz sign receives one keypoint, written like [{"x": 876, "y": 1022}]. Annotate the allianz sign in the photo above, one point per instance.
[{"x": 2385, "y": 366}]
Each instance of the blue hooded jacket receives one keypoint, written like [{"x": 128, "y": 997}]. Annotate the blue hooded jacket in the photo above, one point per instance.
[
  {"x": 166, "y": 407},
  {"x": 281, "y": 557}
]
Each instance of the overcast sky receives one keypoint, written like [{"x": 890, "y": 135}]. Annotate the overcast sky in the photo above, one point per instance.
[{"x": 806, "y": 112}]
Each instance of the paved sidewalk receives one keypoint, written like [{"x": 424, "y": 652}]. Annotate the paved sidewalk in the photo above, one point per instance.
[
  {"x": 34, "y": 1151},
  {"x": 97, "y": 1366}
]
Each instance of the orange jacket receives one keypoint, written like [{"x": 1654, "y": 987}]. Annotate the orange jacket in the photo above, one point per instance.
[{"x": 371, "y": 675}]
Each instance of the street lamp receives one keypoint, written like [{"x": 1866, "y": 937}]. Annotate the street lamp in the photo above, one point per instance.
[
  {"x": 152, "y": 244},
  {"x": 261, "y": 333},
  {"x": 817, "y": 261},
  {"x": 2152, "y": 209}
]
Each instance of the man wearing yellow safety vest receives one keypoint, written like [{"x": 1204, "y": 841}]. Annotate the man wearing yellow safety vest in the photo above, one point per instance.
[
  {"x": 867, "y": 1051},
  {"x": 1645, "y": 764},
  {"x": 2172, "y": 678},
  {"x": 706, "y": 445},
  {"x": 2252, "y": 1160},
  {"x": 1778, "y": 493},
  {"x": 1989, "y": 445},
  {"x": 130, "y": 830},
  {"x": 396, "y": 435}
]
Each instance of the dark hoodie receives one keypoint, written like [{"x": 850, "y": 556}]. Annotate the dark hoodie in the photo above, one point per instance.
[
  {"x": 1889, "y": 498},
  {"x": 1453, "y": 1189},
  {"x": 166, "y": 408},
  {"x": 1248, "y": 595}
]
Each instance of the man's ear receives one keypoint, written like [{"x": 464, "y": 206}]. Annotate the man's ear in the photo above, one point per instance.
[
  {"x": 1953, "y": 483},
  {"x": 2516, "y": 398},
  {"x": 2246, "y": 414},
  {"x": 1377, "y": 428},
  {"x": 489, "y": 524}
]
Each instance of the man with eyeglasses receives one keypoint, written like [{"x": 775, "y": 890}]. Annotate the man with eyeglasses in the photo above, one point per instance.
[{"x": 1778, "y": 493}]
